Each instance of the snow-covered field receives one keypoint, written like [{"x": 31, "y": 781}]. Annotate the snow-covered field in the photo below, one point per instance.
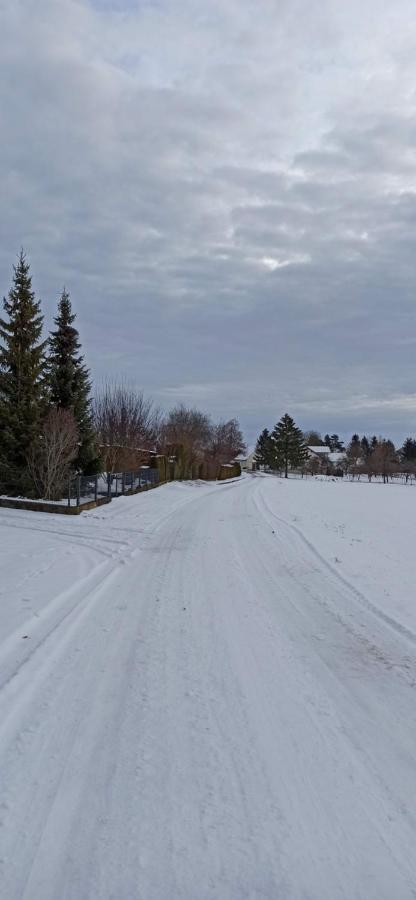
[{"x": 209, "y": 691}]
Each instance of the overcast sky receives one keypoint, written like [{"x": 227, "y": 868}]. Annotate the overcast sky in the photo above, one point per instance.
[{"x": 228, "y": 191}]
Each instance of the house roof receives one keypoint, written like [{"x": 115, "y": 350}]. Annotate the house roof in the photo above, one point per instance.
[
  {"x": 336, "y": 456},
  {"x": 243, "y": 456},
  {"x": 323, "y": 451}
]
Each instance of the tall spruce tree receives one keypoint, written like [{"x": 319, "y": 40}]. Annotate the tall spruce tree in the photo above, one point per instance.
[
  {"x": 365, "y": 447},
  {"x": 289, "y": 445},
  {"x": 22, "y": 387},
  {"x": 408, "y": 451},
  {"x": 69, "y": 382},
  {"x": 333, "y": 442},
  {"x": 265, "y": 450}
]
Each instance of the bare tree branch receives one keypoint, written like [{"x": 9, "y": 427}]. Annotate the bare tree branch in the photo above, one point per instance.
[{"x": 50, "y": 458}]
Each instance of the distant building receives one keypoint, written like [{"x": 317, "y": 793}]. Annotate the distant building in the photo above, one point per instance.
[
  {"x": 321, "y": 452},
  {"x": 247, "y": 461},
  {"x": 325, "y": 458}
]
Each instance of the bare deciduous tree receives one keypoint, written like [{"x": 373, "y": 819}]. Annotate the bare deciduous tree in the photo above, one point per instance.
[
  {"x": 313, "y": 438},
  {"x": 314, "y": 465},
  {"x": 200, "y": 448},
  {"x": 127, "y": 425},
  {"x": 226, "y": 442},
  {"x": 50, "y": 458},
  {"x": 188, "y": 427},
  {"x": 383, "y": 460},
  {"x": 186, "y": 435}
]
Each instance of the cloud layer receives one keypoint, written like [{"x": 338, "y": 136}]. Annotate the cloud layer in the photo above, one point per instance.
[{"x": 228, "y": 190}]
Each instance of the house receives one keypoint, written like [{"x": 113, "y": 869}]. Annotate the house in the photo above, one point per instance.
[
  {"x": 337, "y": 458},
  {"x": 322, "y": 453},
  {"x": 247, "y": 461},
  {"x": 322, "y": 458}
]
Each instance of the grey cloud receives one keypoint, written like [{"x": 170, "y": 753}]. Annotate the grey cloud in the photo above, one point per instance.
[{"x": 229, "y": 193}]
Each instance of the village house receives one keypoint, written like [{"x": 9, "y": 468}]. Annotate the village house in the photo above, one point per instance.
[
  {"x": 247, "y": 461},
  {"x": 322, "y": 459}
]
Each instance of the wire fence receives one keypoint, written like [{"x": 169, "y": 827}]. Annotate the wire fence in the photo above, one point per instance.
[{"x": 84, "y": 488}]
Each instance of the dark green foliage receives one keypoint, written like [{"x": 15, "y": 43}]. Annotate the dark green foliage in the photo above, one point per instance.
[
  {"x": 354, "y": 455},
  {"x": 69, "y": 382},
  {"x": 289, "y": 447},
  {"x": 365, "y": 447},
  {"x": 22, "y": 387},
  {"x": 408, "y": 451},
  {"x": 333, "y": 442},
  {"x": 265, "y": 450},
  {"x": 337, "y": 445}
]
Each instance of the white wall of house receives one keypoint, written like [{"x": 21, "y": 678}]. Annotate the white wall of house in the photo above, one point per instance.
[{"x": 247, "y": 461}]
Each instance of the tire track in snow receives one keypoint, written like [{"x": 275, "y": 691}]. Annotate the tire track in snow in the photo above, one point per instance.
[
  {"x": 192, "y": 738},
  {"x": 354, "y": 591}
]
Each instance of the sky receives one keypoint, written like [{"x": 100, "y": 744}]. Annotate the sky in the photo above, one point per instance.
[{"x": 228, "y": 192}]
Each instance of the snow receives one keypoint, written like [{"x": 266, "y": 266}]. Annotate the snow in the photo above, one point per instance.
[
  {"x": 323, "y": 450},
  {"x": 208, "y": 691},
  {"x": 246, "y": 456},
  {"x": 63, "y": 502},
  {"x": 337, "y": 456},
  {"x": 366, "y": 531}
]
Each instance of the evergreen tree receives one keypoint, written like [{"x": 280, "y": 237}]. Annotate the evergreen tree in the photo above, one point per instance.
[
  {"x": 408, "y": 451},
  {"x": 69, "y": 382},
  {"x": 265, "y": 450},
  {"x": 354, "y": 455},
  {"x": 373, "y": 443},
  {"x": 365, "y": 447},
  {"x": 336, "y": 444},
  {"x": 333, "y": 442},
  {"x": 289, "y": 447},
  {"x": 22, "y": 364}
]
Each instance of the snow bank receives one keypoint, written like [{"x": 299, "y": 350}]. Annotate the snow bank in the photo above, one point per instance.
[{"x": 367, "y": 531}]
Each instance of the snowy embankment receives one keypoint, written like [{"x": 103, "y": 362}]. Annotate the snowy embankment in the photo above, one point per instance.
[
  {"x": 208, "y": 691},
  {"x": 366, "y": 531}
]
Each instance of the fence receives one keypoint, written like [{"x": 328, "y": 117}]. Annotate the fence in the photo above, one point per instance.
[{"x": 84, "y": 488}]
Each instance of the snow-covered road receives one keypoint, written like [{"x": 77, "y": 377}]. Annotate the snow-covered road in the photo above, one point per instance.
[{"x": 197, "y": 702}]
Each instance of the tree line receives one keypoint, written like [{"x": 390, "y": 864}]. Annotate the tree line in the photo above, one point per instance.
[
  {"x": 287, "y": 447},
  {"x": 378, "y": 457},
  {"x": 374, "y": 456},
  {"x": 129, "y": 425},
  {"x": 51, "y": 427}
]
